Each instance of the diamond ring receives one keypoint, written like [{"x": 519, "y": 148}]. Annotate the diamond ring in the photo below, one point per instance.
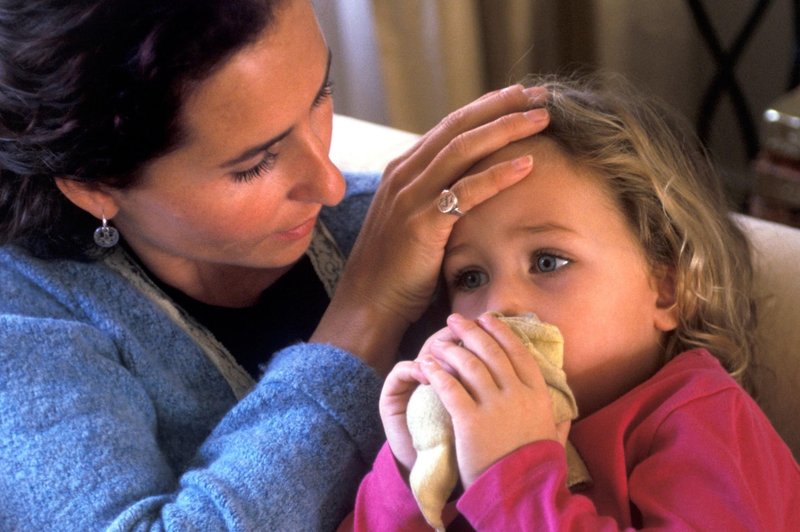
[{"x": 448, "y": 203}]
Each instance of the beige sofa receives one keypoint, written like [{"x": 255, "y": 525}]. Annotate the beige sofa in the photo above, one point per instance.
[{"x": 360, "y": 145}]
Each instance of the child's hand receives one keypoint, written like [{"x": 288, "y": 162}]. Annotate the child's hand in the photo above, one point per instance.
[
  {"x": 496, "y": 395},
  {"x": 397, "y": 389}
]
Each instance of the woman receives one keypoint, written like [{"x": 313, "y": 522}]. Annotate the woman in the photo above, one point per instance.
[{"x": 169, "y": 220}]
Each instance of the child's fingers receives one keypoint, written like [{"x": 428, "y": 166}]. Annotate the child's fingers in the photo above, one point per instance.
[
  {"x": 441, "y": 336},
  {"x": 444, "y": 334},
  {"x": 401, "y": 381},
  {"x": 396, "y": 392},
  {"x": 519, "y": 358},
  {"x": 450, "y": 390},
  {"x": 486, "y": 348},
  {"x": 465, "y": 366}
]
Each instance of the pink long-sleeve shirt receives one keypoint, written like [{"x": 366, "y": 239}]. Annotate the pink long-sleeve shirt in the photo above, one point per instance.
[{"x": 686, "y": 450}]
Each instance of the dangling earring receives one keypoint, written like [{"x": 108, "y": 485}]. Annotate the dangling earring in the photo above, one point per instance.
[{"x": 106, "y": 236}]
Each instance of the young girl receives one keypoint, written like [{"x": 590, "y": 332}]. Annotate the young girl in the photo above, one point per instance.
[{"x": 620, "y": 237}]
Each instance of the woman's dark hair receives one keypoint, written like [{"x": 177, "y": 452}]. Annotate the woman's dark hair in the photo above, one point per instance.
[{"x": 92, "y": 90}]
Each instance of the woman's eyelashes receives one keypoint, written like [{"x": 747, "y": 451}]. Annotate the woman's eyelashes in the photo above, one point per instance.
[
  {"x": 264, "y": 166},
  {"x": 324, "y": 94}
]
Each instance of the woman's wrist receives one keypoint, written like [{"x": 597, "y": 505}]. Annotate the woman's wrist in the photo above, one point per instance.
[{"x": 369, "y": 331}]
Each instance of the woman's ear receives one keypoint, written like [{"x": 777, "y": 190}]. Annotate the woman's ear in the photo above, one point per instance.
[
  {"x": 666, "y": 311},
  {"x": 89, "y": 197}
]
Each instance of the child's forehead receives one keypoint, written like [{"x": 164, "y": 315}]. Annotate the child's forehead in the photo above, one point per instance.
[
  {"x": 559, "y": 197},
  {"x": 543, "y": 149}
]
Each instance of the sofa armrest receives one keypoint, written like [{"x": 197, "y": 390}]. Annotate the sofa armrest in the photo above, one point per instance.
[
  {"x": 776, "y": 255},
  {"x": 358, "y": 145}
]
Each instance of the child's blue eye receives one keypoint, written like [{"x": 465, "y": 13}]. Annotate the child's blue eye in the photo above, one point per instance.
[
  {"x": 264, "y": 166},
  {"x": 548, "y": 262},
  {"x": 470, "y": 280}
]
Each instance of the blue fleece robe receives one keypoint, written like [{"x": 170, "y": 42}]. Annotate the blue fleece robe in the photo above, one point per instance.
[{"x": 118, "y": 412}]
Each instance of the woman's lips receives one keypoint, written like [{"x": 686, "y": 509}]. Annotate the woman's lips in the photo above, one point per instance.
[{"x": 299, "y": 231}]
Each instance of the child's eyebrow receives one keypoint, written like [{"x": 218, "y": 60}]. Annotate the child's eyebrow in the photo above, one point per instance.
[
  {"x": 548, "y": 227},
  {"x": 524, "y": 230}
]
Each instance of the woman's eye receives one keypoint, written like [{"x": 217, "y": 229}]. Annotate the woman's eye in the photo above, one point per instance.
[
  {"x": 264, "y": 166},
  {"x": 547, "y": 262},
  {"x": 325, "y": 93},
  {"x": 470, "y": 280}
]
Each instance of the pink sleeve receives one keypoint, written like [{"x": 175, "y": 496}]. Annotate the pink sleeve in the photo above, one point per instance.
[
  {"x": 527, "y": 490},
  {"x": 714, "y": 463},
  {"x": 384, "y": 501}
]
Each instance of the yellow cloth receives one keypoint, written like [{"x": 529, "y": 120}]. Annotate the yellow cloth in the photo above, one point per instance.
[{"x": 435, "y": 472}]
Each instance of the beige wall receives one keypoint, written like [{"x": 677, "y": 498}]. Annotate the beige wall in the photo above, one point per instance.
[{"x": 657, "y": 43}]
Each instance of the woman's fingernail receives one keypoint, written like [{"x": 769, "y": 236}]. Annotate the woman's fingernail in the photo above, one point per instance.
[
  {"x": 523, "y": 163},
  {"x": 536, "y": 115},
  {"x": 512, "y": 88},
  {"x": 536, "y": 95}
]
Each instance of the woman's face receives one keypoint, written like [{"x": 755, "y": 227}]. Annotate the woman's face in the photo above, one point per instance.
[
  {"x": 557, "y": 245},
  {"x": 240, "y": 197}
]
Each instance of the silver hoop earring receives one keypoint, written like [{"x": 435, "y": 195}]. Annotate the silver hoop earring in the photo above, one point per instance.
[{"x": 106, "y": 236}]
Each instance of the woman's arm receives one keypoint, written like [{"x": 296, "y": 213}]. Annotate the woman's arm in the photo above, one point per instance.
[{"x": 82, "y": 445}]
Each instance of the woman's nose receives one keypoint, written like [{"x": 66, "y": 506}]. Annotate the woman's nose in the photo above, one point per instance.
[{"x": 318, "y": 179}]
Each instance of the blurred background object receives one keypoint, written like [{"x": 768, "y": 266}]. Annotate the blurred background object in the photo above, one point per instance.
[
  {"x": 721, "y": 63},
  {"x": 776, "y": 187}
]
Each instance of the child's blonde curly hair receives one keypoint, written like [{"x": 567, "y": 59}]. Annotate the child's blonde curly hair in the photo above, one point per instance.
[{"x": 664, "y": 183}]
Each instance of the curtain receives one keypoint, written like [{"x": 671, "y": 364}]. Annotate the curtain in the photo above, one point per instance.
[
  {"x": 425, "y": 58},
  {"x": 437, "y": 55}
]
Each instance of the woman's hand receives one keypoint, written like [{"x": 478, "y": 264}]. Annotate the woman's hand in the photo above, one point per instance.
[
  {"x": 392, "y": 272},
  {"x": 493, "y": 390}
]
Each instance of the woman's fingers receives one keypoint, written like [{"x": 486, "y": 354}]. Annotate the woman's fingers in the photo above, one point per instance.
[
  {"x": 469, "y": 147},
  {"x": 476, "y": 188},
  {"x": 467, "y": 135},
  {"x": 487, "y": 108}
]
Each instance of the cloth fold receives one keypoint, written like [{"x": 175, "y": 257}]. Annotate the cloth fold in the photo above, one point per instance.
[{"x": 435, "y": 472}]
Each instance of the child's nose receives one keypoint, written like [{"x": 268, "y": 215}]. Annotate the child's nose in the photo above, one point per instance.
[{"x": 510, "y": 298}]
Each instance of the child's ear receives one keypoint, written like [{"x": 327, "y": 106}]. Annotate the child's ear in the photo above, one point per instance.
[
  {"x": 666, "y": 311},
  {"x": 91, "y": 198}
]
